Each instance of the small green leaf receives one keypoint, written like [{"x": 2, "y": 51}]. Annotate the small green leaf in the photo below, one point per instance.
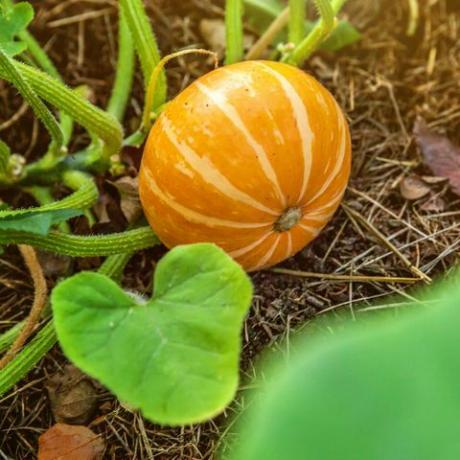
[
  {"x": 174, "y": 356},
  {"x": 344, "y": 34},
  {"x": 37, "y": 222},
  {"x": 14, "y": 20}
]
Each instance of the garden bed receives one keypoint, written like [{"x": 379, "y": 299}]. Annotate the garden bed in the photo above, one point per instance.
[{"x": 384, "y": 83}]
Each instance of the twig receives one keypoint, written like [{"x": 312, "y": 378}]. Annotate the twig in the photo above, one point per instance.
[
  {"x": 349, "y": 278},
  {"x": 79, "y": 18},
  {"x": 378, "y": 234},
  {"x": 269, "y": 35},
  {"x": 40, "y": 296}
]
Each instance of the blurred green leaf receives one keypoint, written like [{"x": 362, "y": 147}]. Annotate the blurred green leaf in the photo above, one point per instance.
[
  {"x": 14, "y": 20},
  {"x": 344, "y": 34},
  {"x": 36, "y": 222},
  {"x": 174, "y": 356},
  {"x": 381, "y": 389},
  {"x": 261, "y": 13}
]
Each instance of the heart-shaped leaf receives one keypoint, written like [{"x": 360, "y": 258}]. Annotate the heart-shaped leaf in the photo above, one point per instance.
[
  {"x": 174, "y": 356},
  {"x": 13, "y": 20},
  {"x": 37, "y": 222}
]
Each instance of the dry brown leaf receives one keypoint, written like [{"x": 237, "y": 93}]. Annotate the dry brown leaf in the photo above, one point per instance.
[
  {"x": 439, "y": 153},
  {"x": 433, "y": 180},
  {"x": 412, "y": 188},
  {"x": 128, "y": 188},
  {"x": 70, "y": 442},
  {"x": 72, "y": 395}
]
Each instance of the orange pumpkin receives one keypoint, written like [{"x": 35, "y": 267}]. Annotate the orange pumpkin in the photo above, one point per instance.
[{"x": 254, "y": 157}]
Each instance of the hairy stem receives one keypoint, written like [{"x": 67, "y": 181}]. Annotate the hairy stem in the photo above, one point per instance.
[
  {"x": 234, "y": 31},
  {"x": 45, "y": 63},
  {"x": 5, "y": 154},
  {"x": 85, "y": 246},
  {"x": 125, "y": 71},
  {"x": 95, "y": 120},
  {"x": 328, "y": 11},
  {"x": 28, "y": 358},
  {"x": 12, "y": 72},
  {"x": 85, "y": 196},
  {"x": 31, "y": 354},
  {"x": 40, "y": 296},
  {"x": 145, "y": 44}
]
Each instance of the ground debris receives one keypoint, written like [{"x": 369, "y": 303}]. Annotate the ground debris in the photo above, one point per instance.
[
  {"x": 72, "y": 395},
  {"x": 439, "y": 153},
  {"x": 70, "y": 442}
]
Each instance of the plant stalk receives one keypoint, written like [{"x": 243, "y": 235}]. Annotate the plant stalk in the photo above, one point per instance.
[
  {"x": 12, "y": 72},
  {"x": 145, "y": 44},
  {"x": 234, "y": 31},
  {"x": 85, "y": 246},
  {"x": 322, "y": 29},
  {"x": 125, "y": 71}
]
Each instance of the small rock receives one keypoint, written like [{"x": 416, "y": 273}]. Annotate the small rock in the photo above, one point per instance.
[
  {"x": 72, "y": 395},
  {"x": 70, "y": 442}
]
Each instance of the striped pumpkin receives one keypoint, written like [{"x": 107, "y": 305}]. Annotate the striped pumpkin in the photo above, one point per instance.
[{"x": 254, "y": 157}]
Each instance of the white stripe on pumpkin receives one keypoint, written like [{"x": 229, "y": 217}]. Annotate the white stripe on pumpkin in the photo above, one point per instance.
[
  {"x": 194, "y": 216},
  {"x": 222, "y": 102},
  {"x": 339, "y": 161},
  {"x": 250, "y": 247},
  {"x": 302, "y": 122},
  {"x": 268, "y": 254},
  {"x": 209, "y": 172}
]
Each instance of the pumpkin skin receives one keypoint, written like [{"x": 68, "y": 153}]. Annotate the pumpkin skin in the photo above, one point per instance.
[{"x": 254, "y": 157}]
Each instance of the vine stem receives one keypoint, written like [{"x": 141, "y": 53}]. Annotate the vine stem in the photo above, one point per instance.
[
  {"x": 95, "y": 120},
  {"x": 234, "y": 31},
  {"x": 42, "y": 59},
  {"x": 46, "y": 337},
  {"x": 145, "y": 44},
  {"x": 85, "y": 246},
  {"x": 154, "y": 81},
  {"x": 85, "y": 196},
  {"x": 9, "y": 67},
  {"x": 297, "y": 13},
  {"x": 278, "y": 24},
  {"x": 40, "y": 297},
  {"x": 125, "y": 70},
  {"x": 5, "y": 154},
  {"x": 328, "y": 11}
]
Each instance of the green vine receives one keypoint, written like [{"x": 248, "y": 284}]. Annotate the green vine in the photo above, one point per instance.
[
  {"x": 12, "y": 73},
  {"x": 145, "y": 44},
  {"x": 84, "y": 246},
  {"x": 234, "y": 31},
  {"x": 320, "y": 32}
]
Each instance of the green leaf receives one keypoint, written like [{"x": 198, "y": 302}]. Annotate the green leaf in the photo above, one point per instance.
[
  {"x": 386, "y": 388},
  {"x": 174, "y": 356},
  {"x": 261, "y": 13},
  {"x": 37, "y": 222},
  {"x": 14, "y": 20},
  {"x": 344, "y": 34}
]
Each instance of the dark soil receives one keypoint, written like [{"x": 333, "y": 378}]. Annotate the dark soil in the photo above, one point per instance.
[{"x": 383, "y": 83}]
